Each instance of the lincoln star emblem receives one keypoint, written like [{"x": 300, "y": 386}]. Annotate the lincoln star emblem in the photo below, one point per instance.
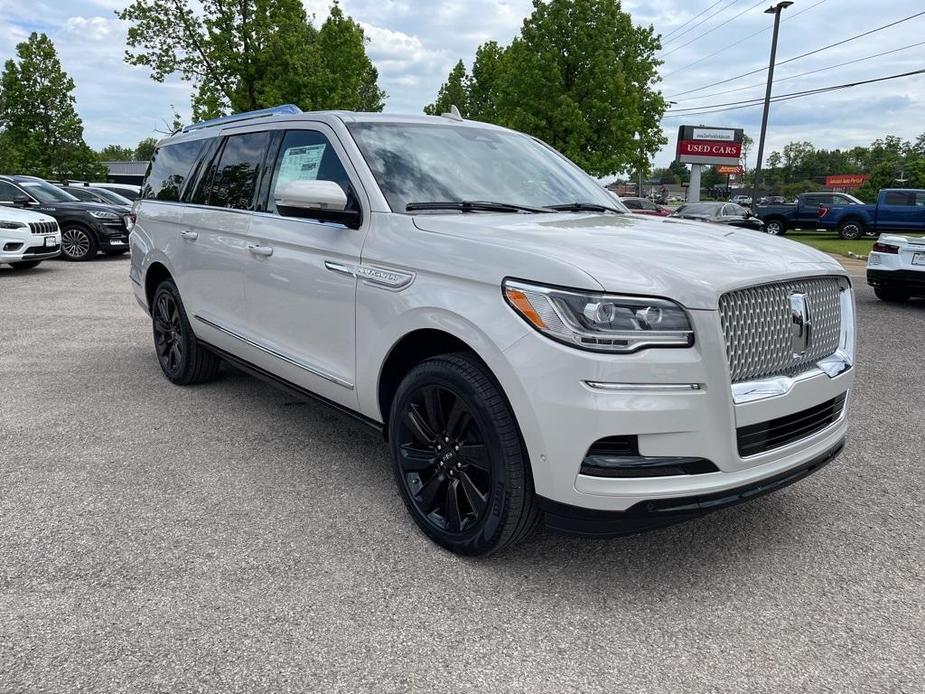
[{"x": 801, "y": 324}]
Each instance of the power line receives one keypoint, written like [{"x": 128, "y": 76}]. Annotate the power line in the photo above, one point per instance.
[
  {"x": 718, "y": 26},
  {"x": 707, "y": 19},
  {"x": 740, "y": 41},
  {"x": 798, "y": 57},
  {"x": 677, "y": 29},
  {"x": 787, "y": 97},
  {"x": 809, "y": 72}
]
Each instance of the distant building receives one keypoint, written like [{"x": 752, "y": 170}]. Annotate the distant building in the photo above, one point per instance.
[{"x": 126, "y": 171}]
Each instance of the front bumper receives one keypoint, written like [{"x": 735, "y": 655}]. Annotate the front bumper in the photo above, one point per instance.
[
  {"x": 112, "y": 236},
  {"x": 25, "y": 247}
]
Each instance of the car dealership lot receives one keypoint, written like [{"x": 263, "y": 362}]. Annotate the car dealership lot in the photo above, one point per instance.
[{"x": 227, "y": 537}]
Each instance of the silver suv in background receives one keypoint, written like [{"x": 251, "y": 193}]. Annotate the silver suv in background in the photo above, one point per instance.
[{"x": 532, "y": 352}]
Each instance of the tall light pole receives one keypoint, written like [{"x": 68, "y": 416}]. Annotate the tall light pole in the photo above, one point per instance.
[{"x": 775, "y": 10}]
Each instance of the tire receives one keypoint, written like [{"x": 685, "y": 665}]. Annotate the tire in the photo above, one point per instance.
[
  {"x": 471, "y": 492},
  {"x": 894, "y": 296},
  {"x": 182, "y": 359},
  {"x": 78, "y": 244},
  {"x": 113, "y": 254},
  {"x": 851, "y": 230},
  {"x": 25, "y": 264},
  {"x": 775, "y": 227}
]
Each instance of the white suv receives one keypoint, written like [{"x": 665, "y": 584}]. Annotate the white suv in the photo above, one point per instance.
[
  {"x": 530, "y": 350},
  {"x": 27, "y": 238}
]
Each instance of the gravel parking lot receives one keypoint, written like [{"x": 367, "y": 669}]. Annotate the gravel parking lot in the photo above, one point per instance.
[{"x": 228, "y": 538}]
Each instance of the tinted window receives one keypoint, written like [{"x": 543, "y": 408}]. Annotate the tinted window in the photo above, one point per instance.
[
  {"x": 46, "y": 192},
  {"x": 699, "y": 208},
  {"x": 815, "y": 200},
  {"x": 8, "y": 192},
  {"x": 648, "y": 205},
  {"x": 168, "y": 170},
  {"x": 82, "y": 194},
  {"x": 306, "y": 155},
  {"x": 235, "y": 177},
  {"x": 632, "y": 204},
  {"x": 896, "y": 197}
]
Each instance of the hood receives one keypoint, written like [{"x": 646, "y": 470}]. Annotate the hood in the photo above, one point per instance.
[
  {"x": 16, "y": 214},
  {"x": 690, "y": 262}
]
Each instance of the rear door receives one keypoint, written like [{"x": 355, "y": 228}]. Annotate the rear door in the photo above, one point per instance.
[
  {"x": 808, "y": 210},
  {"x": 300, "y": 280},
  {"x": 897, "y": 211}
]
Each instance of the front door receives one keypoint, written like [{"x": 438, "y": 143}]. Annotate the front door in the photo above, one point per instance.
[{"x": 299, "y": 275}]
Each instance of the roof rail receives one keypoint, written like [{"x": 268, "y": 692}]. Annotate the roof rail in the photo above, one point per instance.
[{"x": 284, "y": 110}]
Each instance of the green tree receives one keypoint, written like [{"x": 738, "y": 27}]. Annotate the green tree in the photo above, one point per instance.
[
  {"x": 747, "y": 144},
  {"x": 680, "y": 171},
  {"x": 580, "y": 76},
  {"x": 145, "y": 149},
  {"x": 42, "y": 133},
  {"x": 116, "y": 153},
  {"x": 252, "y": 54},
  {"x": 453, "y": 92},
  {"x": 483, "y": 83}
]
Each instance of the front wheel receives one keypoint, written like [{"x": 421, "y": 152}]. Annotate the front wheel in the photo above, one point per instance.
[
  {"x": 775, "y": 227},
  {"x": 894, "y": 296},
  {"x": 851, "y": 230},
  {"x": 25, "y": 264},
  {"x": 461, "y": 467},
  {"x": 181, "y": 357},
  {"x": 78, "y": 244}
]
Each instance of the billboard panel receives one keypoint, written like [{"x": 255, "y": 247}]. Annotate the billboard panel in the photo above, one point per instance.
[
  {"x": 846, "y": 180},
  {"x": 705, "y": 145}
]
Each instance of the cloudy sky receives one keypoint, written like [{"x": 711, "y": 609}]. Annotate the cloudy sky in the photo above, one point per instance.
[{"x": 415, "y": 42}]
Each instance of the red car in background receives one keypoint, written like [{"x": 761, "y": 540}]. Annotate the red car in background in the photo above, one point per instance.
[{"x": 645, "y": 206}]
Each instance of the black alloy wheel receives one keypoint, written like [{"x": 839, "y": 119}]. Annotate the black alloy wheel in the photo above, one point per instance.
[
  {"x": 459, "y": 461},
  {"x": 182, "y": 359},
  {"x": 443, "y": 459},
  {"x": 77, "y": 244}
]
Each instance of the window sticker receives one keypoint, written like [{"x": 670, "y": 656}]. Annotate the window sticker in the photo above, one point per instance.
[{"x": 300, "y": 164}]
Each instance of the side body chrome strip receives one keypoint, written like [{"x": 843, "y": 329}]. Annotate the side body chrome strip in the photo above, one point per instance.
[
  {"x": 314, "y": 370},
  {"x": 391, "y": 279}
]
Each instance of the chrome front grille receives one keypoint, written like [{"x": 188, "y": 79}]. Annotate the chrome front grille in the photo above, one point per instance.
[
  {"x": 44, "y": 227},
  {"x": 757, "y": 324}
]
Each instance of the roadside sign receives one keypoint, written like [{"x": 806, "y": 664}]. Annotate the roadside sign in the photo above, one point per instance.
[
  {"x": 730, "y": 170},
  {"x": 703, "y": 145},
  {"x": 846, "y": 180}
]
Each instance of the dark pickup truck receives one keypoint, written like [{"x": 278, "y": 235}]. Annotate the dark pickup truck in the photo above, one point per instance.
[
  {"x": 806, "y": 213},
  {"x": 896, "y": 209}
]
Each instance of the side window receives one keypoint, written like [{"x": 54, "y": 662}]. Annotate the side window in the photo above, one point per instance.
[
  {"x": 168, "y": 170},
  {"x": 814, "y": 200},
  {"x": 306, "y": 155},
  {"x": 896, "y": 197},
  {"x": 648, "y": 205},
  {"x": 8, "y": 191},
  {"x": 633, "y": 204},
  {"x": 920, "y": 199},
  {"x": 235, "y": 179}
]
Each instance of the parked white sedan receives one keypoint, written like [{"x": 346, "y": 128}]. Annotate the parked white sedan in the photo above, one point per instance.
[{"x": 896, "y": 267}]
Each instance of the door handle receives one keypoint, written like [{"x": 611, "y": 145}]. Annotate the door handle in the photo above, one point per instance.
[
  {"x": 257, "y": 249},
  {"x": 189, "y": 235}
]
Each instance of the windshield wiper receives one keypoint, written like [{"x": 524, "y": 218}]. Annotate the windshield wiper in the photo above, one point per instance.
[
  {"x": 471, "y": 206},
  {"x": 583, "y": 207}
]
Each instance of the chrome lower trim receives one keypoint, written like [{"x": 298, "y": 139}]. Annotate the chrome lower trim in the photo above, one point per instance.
[
  {"x": 833, "y": 365},
  {"x": 645, "y": 387},
  {"x": 314, "y": 370}
]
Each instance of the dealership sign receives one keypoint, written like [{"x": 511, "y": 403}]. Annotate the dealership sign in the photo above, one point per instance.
[
  {"x": 716, "y": 146},
  {"x": 846, "y": 180},
  {"x": 730, "y": 170}
]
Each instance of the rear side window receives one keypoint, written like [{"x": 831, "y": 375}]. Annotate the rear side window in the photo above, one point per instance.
[
  {"x": 632, "y": 204},
  {"x": 235, "y": 177},
  {"x": 8, "y": 192},
  {"x": 168, "y": 170}
]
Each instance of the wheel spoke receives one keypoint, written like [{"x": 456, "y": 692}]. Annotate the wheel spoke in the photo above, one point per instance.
[
  {"x": 458, "y": 420},
  {"x": 161, "y": 344},
  {"x": 174, "y": 356},
  {"x": 453, "y": 516},
  {"x": 418, "y": 426},
  {"x": 477, "y": 501},
  {"x": 476, "y": 455},
  {"x": 430, "y": 492},
  {"x": 434, "y": 409},
  {"x": 416, "y": 459}
]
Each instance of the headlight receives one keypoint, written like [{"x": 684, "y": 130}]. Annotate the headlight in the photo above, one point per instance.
[
  {"x": 99, "y": 214},
  {"x": 12, "y": 225},
  {"x": 600, "y": 322}
]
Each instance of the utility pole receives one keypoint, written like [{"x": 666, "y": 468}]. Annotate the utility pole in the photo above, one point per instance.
[{"x": 775, "y": 10}]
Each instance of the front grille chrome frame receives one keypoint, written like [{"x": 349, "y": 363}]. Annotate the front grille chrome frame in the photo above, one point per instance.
[{"x": 831, "y": 365}]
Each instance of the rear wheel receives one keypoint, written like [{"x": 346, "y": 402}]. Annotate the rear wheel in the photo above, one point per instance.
[
  {"x": 26, "y": 264},
  {"x": 775, "y": 227},
  {"x": 892, "y": 295},
  {"x": 78, "y": 244},
  {"x": 458, "y": 458},
  {"x": 851, "y": 230},
  {"x": 182, "y": 359}
]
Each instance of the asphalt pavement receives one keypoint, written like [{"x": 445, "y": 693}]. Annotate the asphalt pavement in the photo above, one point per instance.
[{"x": 228, "y": 538}]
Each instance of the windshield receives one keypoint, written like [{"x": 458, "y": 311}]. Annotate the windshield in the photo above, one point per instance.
[
  {"x": 112, "y": 198},
  {"x": 46, "y": 192},
  {"x": 415, "y": 163}
]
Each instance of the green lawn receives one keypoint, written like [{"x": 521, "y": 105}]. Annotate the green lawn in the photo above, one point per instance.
[{"x": 830, "y": 243}]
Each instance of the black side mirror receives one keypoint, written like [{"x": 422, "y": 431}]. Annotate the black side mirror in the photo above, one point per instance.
[{"x": 22, "y": 200}]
